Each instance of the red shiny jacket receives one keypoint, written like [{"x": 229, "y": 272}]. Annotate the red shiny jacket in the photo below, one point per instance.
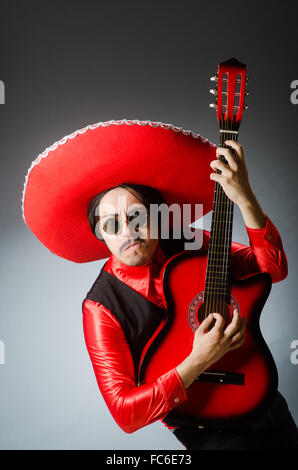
[{"x": 135, "y": 406}]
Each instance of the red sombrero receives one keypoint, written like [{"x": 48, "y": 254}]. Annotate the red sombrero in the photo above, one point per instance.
[{"x": 63, "y": 180}]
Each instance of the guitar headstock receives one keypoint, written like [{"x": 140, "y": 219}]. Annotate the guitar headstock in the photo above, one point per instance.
[{"x": 231, "y": 81}]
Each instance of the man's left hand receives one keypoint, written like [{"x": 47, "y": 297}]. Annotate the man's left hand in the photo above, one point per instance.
[{"x": 234, "y": 175}]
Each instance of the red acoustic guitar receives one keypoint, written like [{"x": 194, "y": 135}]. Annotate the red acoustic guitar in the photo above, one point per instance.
[{"x": 197, "y": 283}]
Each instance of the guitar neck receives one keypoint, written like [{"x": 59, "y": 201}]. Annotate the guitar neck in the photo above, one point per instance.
[
  {"x": 217, "y": 283},
  {"x": 230, "y": 81}
]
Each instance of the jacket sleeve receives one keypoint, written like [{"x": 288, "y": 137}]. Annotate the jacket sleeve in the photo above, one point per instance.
[
  {"x": 265, "y": 254},
  {"x": 131, "y": 406}
]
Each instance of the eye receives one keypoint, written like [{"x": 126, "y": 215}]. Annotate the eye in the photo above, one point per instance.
[
  {"x": 139, "y": 214},
  {"x": 111, "y": 226}
]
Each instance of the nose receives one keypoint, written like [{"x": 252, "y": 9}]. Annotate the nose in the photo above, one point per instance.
[{"x": 129, "y": 230}]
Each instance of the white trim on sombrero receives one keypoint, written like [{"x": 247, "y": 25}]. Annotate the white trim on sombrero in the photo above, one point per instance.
[{"x": 104, "y": 124}]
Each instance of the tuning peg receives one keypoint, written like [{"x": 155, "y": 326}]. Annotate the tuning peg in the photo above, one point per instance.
[
  {"x": 213, "y": 105},
  {"x": 213, "y": 92},
  {"x": 247, "y": 92},
  {"x": 214, "y": 79},
  {"x": 245, "y": 106}
]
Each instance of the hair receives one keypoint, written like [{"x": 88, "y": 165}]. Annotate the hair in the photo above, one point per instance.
[{"x": 147, "y": 195}]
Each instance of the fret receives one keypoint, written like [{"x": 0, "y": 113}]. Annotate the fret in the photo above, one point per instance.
[
  {"x": 223, "y": 220},
  {"x": 218, "y": 255},
  {"x": 221, "y": 209},
  {"x": 220, "y": 230},
  {"x": 218, "y": 280},
  {"x": 216, "y": 240},
  {"x": 217, "y": 244},
  {"x": 219, "y": 190},
  {"x": 221, "y": 234},
  {"x": 223, "y": 290},
  {"x": 223, "y": 275},
  {"x": 218, "y": 265},
  {"x": 222, "y": 202},
  {"x": 221, "y": 206},
  {"x": 215, "y": 284},
  {"x": 217, "y": 259},
  {"x": 218, "y": 272},
  {"x": 221, "y": 257},
  {"x": 213, "y": 244}
]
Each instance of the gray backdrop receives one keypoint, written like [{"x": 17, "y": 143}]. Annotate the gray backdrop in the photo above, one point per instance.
[{"x": 66, "y": 64}]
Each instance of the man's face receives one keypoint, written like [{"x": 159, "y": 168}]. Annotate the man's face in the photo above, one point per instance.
[{"x": 122, "y": 210}]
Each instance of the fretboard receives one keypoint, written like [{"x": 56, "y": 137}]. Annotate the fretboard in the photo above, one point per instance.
[{"x": 217, "y": 283}]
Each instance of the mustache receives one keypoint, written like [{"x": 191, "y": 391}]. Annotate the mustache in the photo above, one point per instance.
[{"x": 129, "y": 242}]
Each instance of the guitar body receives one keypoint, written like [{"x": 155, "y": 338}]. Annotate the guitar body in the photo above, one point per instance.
[{"x": 242, "y": 382}]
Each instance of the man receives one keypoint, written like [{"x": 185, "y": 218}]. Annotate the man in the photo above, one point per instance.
[
  {"x": 123, "y": 309},
  {"x": 71, "y": 184}
]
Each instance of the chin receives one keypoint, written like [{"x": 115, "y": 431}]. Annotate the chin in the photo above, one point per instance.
[{"x": 135, "y": 258}]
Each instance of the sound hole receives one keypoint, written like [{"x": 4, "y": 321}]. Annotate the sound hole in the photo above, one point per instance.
[
  {"x": 198, "y": 310},
  {"x": 220, "y": 307}
]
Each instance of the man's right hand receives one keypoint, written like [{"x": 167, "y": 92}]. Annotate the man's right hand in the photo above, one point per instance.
[{"x": 210, "y": 345}]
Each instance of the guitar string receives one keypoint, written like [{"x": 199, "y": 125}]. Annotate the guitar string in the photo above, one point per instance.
[
  {"x": 223, "y": 228},
  {"x": 230, "y": 210},
  {"x": 211, "y": 258},
  {"x": 210, "y": 300},
  {"x": 225, "y": 231},
  {"x": 225, "y": 212},
  {"x": 217, "y": 236},
  {"x": 227, "y": 218}
]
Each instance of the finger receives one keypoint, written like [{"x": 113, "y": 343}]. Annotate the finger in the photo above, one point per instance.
[
  {"x": 237, "y": 344},
  {"x": 216, "y": 177},
  {"x": 223, "y": 167},
  {"x": 240, "y": 333},
  {"x": 234, "y": 324},
  {"x": 236, "y": 146},
  {"x": 219, "y": 321},
  {"x": 206, "y": 323},
  {"x": 231, "y": 159}
]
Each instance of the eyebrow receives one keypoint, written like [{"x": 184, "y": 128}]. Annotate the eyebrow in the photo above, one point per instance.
[{"x": 106, "y": 215}]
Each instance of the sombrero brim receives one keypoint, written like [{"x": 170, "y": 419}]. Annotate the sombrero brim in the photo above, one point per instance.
[{"x": 63, "y": 180}]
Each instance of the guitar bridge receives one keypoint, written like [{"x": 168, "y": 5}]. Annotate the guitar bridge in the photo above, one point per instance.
[{"x": 232, "y": 378}]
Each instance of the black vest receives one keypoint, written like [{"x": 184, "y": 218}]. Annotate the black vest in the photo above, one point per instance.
[{"x": 138, "y": 316}]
